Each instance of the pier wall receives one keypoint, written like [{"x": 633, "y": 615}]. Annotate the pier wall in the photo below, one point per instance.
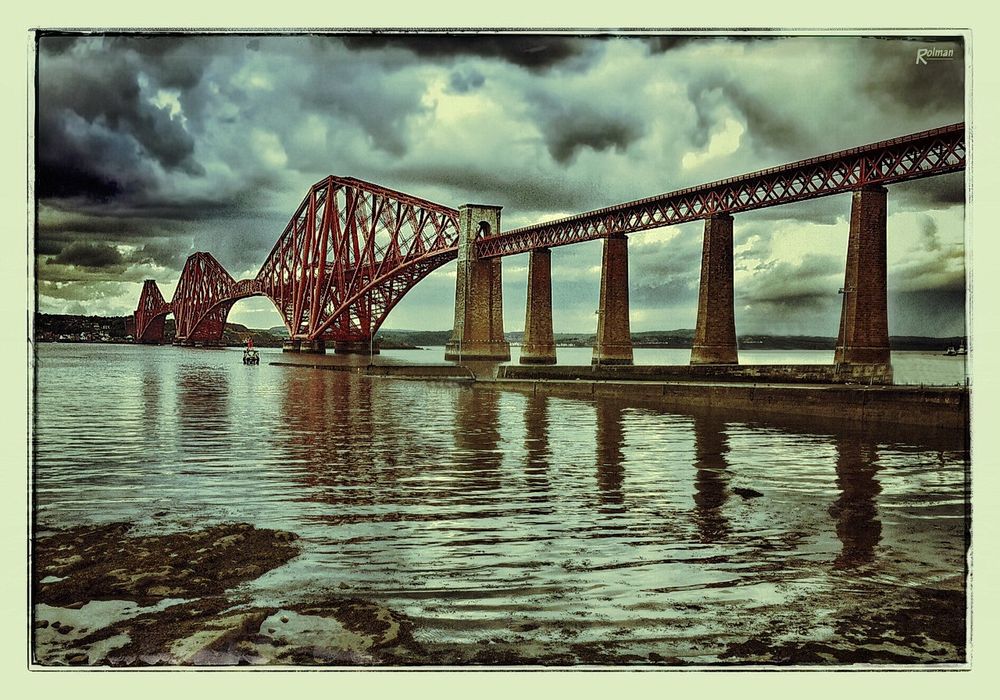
[
  {"x": 798, "y": 374},
  {"x": 934, "y": 407}
]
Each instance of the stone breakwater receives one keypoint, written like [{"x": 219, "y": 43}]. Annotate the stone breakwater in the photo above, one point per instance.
[
  {"x": 945, "y": 408},
  {"x": 862, "y": 395}
]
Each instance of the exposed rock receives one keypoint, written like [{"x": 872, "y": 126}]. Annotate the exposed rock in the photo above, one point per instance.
[
  {"x": 140, "y": 568},
  {"x": 192, "y": 615}
]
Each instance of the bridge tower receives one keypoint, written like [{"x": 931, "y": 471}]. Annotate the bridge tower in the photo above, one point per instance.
[{"x": 478, "y": 330}]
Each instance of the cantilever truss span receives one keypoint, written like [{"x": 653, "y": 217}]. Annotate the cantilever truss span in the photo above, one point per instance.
[{"x": 347, "y": 256}]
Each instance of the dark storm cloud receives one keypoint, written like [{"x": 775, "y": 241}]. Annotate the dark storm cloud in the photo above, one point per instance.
[
  {"x": 938, "y": 313},
  {"x": 930, "y": 193},
  {"x": 465, "y": 81},
  {"x": 88, "y": 255},
  {"x": 666, "y": 272},
  {"x": 770, "y": 125},
  {"x": 893, "y": 74},
  {"x": 570, "y": 131},
  {"x": 120, "y": 228},
  {"x": 57, "y": 45},
  {"x": 75, "y": 163},
  {"x": 99, "y": 138},
  {"x": 472, "y": 183},
  {"x": 48, "y": 246},
  {"x": 929, "y": 234},
  {"x": 171, "y": 61},
  {"x": 671, "y": 42},
  {"x": 793, "y": 288},
  {"x": 164, "y": 253},
  {"x": 105, "y": 92},
  {"x": 535, "y": 52},
  {"x": 381, "y": 108}
]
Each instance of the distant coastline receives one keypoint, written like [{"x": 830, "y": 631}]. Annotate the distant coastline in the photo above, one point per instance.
[{"x": 111, "y": 329}]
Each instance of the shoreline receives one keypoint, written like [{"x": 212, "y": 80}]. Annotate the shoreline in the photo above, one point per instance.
[{"x": 105, "y": 596}]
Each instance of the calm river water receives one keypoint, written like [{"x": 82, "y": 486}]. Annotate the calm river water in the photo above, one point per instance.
[{"x": 533, "y": 527}]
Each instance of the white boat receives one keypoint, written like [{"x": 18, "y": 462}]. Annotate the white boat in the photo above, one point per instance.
[{"x": 250, "y": 355}]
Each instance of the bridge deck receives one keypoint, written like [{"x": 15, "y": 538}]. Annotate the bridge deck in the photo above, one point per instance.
[{"x": 923, "y": 154}]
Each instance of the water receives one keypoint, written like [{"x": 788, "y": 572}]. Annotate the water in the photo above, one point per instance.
[{"x": 580, "y": 531}]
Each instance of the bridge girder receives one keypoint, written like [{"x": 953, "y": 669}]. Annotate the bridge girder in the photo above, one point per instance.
[{"x": 927, "y": 153}]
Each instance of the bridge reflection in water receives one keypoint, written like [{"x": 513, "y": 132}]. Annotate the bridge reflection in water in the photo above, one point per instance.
[
  {"x": 550, "y": 525},
  {"x": 711, "y": 477}
]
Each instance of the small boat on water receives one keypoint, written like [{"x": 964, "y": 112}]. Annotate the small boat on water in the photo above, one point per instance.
[
  {"x": 250, "y": 355},
  {"x": 960, "y": 350}
]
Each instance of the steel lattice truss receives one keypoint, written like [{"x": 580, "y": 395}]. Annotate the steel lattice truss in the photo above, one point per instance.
[
  {"x": 202, "y": 299},
  {"x": 919, "y": 155},
  {"x": 350, "y": 253},
  {"x": 147, "y": 323}
]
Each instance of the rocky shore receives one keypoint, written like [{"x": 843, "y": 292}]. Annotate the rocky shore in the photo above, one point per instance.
[{"x": 105, "y": 596}]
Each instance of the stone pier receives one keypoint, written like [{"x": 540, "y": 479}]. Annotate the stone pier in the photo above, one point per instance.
[
  {"x": 864, "y": 320},
  {"x": 355, "y": 347},
  {"x": 715, "y": 330},
  {"x": 314, "y": 347},
  {"x": 538, "y": 346},
  {"x": 478, "y": 330},
  {"x": 614, "y": 340}
]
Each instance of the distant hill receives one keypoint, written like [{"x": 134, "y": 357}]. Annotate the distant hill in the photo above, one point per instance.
[
  {"x": 418, "y": 338},
  {"x": 72, "y": 328},
  {"x": 52, "y": 327}
]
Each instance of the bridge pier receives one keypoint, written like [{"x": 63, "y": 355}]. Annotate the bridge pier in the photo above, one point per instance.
[
  {"x": 317, "y": 347},
  {"x": 864, "y": 318},
  {"x": 478, "y": 330},
  {"x": 715, "y": 330},
  {"x": 614, "y": 339},
  {"x": 539, "y": 346},
  {"x": 314, "y": 347},
  {"x": 355, "y": 347}
]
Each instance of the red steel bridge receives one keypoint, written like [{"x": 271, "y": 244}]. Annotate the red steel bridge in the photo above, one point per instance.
[{"x": 353, "y": 249}]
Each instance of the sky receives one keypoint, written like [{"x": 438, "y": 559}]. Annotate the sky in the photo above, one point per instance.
[{"x": 152, "y": 147}]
